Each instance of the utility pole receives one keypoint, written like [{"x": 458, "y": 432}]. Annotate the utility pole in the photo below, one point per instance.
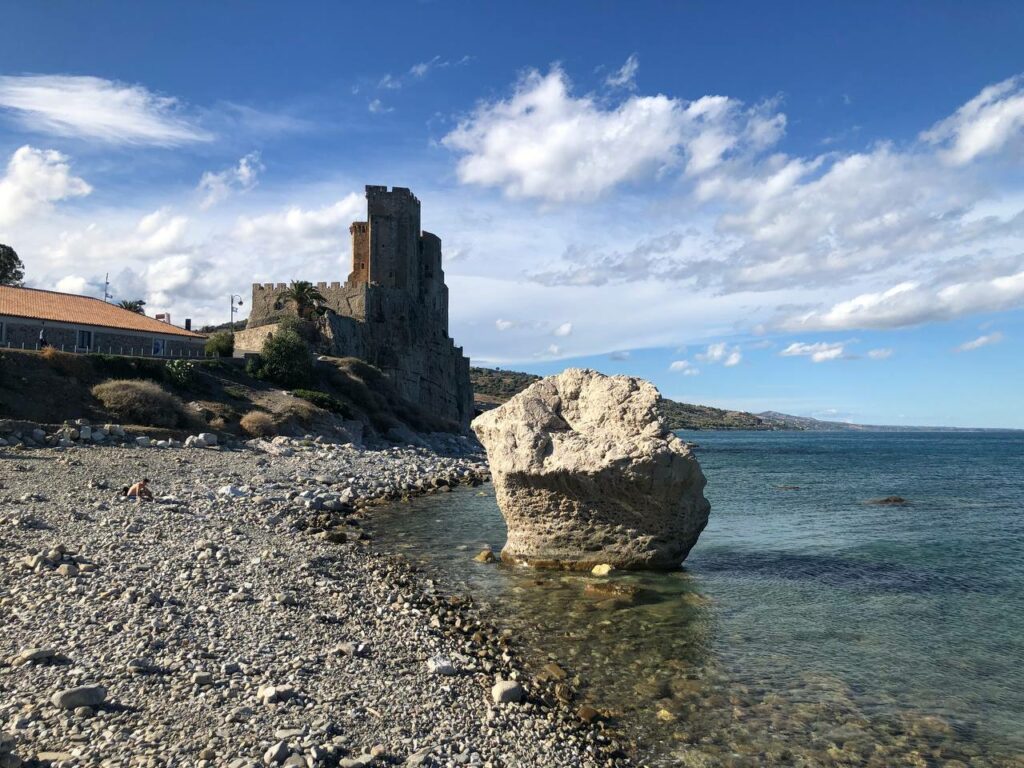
[
  {"x": 107, "y": 295},
  {"x": 231, "y": 325}
]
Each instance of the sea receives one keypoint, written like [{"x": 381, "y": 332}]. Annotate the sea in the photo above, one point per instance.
[{"x": 810, "y": 625}]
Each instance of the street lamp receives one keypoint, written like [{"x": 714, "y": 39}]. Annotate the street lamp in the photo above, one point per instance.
[{"x": 236, "y": 301}]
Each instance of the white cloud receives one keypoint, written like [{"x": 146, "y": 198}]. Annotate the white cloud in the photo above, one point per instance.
[
  {"x": 543, "y": 142},
  {"x": 72, "y": 284},
  {"x": 721, "y": 352},
  {"x": 982, "y": 126},
  {"x": 910, "y": 303},
  {"x": 34, "y": 179},
  {"x": 880, "y": 354},
  {"x": 422, "y": 68},
  {"x": 390, "y": 83},
  {"x": 625, "y": 76},
  {"x": 94, "y": 108},
  {"x": 564, "y": 329},
  {"x": 377, "y": 107},
  {"x": 503, "y": 325},
  {"x": 819, "y": 352},
  {"x": 981, "y": 341},
  {"x": 327, "y": 225},
  {"x": 684, "y": 367},
  {"x": 216, "y": 187},
  {"x": 620, "y": 354}
]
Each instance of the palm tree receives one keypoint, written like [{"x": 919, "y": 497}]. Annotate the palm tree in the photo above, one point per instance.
[
  {"x": 133, "y": 305},
  {"x": 306, "y": 298}
]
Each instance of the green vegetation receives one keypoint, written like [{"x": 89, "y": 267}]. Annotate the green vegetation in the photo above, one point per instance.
[
  {"x": 323, "y": 400},
  {"x": 284, "y": 360},
  {"x": 133, "y": 305},
  {"x": 12, "y": 271},
  {"x": 135, "y": 401},
  {"x": 181, "y": 373},
  {"x": 492, "y": 386},
  {"x": 235, "y": 392},
  {"x": 221, "y": 344},
  {"x": 304, "y": 296}
]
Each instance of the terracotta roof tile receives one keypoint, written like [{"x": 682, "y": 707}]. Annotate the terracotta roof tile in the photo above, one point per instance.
[{"x": 37, "y": 304}]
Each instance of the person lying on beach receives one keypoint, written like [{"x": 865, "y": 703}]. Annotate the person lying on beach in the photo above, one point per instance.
[{"x": 139, "y": 491}]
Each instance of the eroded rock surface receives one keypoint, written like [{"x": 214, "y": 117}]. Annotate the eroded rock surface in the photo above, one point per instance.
[{"x": 586, "y": 473}]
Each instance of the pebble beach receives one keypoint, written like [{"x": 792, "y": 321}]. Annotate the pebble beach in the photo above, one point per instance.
[{"x": 244, "y": 618}]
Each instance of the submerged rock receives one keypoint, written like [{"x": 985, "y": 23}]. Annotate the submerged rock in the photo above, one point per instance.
[{"x": 587, "y": 474}]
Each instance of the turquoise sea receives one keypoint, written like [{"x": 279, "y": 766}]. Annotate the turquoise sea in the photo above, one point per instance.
[{"x": 809, "y": 626}]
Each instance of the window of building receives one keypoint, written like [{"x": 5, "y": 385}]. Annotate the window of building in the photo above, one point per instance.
[
  {"x": 84, "y": 340},
  {"x": 3, "y": 332},
  {"x": 159, "y": 347}
]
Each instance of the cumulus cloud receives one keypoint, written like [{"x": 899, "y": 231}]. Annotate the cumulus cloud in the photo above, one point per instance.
[
  {"x": 721, "y": 352},
  {"x": 764, "y": 221},
  {"x": 625, "y": 76},
  {"x": 565, "y": 329},
  {"x": 912, "y": 303},
  {"x": 327, "y": 225},
  {"x": 684, "y": 367},
  {"x": 34, "y": 180},
  {"x": 543, "y": 142},
  {"x": 883, "y": 353},
  {"x": 94, "y": 108},
  {"x": 73, "y": 284},
  {"x": 819, "y": 352},
  {"x": 216, "y": 187},
  {"x": 981, "y": 341},
  {"x": 982, "y": 126}
]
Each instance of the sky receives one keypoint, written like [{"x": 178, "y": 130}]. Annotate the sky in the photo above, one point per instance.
[{"x": 810, "y": 208}]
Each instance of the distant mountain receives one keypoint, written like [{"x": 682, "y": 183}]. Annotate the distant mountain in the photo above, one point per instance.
[
  {"x": 492, "y": 387},
  {"x": 807, "y": 424}
]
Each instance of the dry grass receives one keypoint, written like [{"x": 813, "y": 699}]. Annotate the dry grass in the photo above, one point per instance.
[
  {"x": 135, "y": 401},
  {"x": 259, "y": 424},
  {"x": 67, "y": 363}
]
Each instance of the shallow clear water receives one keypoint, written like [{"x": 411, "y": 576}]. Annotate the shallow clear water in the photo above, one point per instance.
[{"x": 809, "y": 626}]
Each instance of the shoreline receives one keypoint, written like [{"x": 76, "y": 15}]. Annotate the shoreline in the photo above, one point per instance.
[{"x": 245, "y": 619}]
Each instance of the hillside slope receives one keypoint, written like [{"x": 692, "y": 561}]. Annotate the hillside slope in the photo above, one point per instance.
[{"x": 492, "y": 387}]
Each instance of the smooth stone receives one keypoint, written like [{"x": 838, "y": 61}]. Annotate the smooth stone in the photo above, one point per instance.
[
  {"x": 82, "y": 696},
  {"x": 507, "y": 692}
]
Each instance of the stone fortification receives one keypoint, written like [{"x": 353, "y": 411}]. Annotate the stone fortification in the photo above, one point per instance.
[{"x": 392, "y": 311}]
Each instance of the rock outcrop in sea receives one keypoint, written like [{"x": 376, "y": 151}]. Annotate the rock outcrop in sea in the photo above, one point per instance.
[{"x": 586, "y": 473}]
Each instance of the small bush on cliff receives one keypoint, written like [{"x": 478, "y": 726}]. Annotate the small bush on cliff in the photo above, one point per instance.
[
  {"x": 324, "y": 400},
  {"x": 285, "y": 360},
  {"x": 140, "y": 402},
  {"x": 258, "y": 424},
  {"x": 181, "y": 373},
  {"x": 221, "y": 344}
]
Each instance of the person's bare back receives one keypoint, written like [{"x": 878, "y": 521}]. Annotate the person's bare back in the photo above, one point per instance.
[{"x": 140, "y": 491}]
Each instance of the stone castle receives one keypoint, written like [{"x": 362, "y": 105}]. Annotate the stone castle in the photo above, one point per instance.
[{"x": 392, "y": 311}]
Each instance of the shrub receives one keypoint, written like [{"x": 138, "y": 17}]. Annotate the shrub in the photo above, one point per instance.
[
  {"x": 258, "y": 424},
  {"x": 285, "y": 360},
  {"x": 323, "y": 400},
  {"x": 235, "y": 393},
  {"x": 119, "y": 367},
  {"x": 221, "y": 344},
  {"x": 69, "y": 364},
  {"x": 306, "y": 329},
  {"x": 181, "y": 373},
  {"x": 140, "y": 402}
]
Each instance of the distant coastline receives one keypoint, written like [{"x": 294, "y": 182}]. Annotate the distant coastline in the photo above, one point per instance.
[{"x": 493, "y": 386}]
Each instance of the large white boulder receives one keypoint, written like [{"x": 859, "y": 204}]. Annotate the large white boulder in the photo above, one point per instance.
[{"x": 587, "y": 474}]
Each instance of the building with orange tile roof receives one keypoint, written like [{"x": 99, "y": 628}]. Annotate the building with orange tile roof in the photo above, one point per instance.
[{"x": 30, "y": 316}]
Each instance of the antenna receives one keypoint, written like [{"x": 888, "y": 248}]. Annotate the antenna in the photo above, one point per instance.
[{"x": 107, "y": 295}]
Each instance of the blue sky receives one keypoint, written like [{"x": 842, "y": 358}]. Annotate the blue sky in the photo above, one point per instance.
[{"x": 813, "y": 208}]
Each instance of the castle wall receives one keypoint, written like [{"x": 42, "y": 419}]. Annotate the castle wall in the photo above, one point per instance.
[{"x": 360, "y": 231}]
